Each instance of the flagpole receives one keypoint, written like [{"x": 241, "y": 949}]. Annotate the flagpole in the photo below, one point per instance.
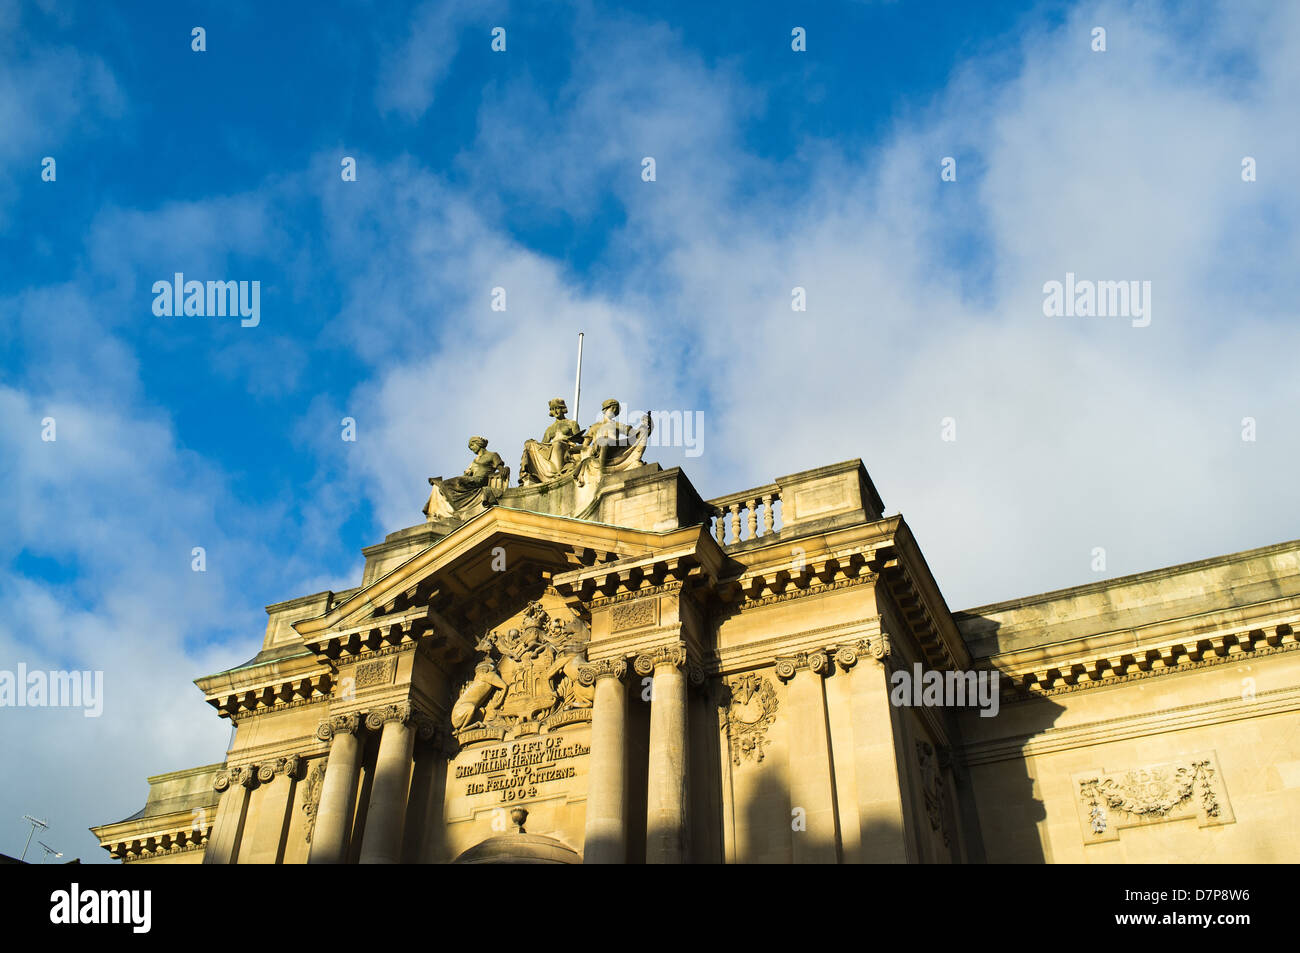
[{"x": 577, "y": 383}]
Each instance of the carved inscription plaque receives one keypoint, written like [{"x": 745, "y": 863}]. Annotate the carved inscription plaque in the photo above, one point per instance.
[{"x": 538, "y": 767}]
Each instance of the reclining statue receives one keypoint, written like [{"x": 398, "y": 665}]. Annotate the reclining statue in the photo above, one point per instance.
[{"x": 480, "y": 486}]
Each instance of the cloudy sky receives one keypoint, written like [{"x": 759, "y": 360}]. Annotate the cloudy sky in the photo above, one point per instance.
[{"x": 523, "y": 169}]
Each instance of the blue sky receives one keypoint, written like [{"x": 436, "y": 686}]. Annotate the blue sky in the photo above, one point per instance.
[{"x": 522, "y": 169}]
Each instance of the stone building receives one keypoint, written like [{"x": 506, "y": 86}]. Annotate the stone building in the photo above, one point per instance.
[{"x": 599, "y": 665}]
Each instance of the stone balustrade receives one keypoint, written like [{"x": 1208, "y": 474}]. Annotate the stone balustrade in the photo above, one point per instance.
[{"x": 750, "y": 514}]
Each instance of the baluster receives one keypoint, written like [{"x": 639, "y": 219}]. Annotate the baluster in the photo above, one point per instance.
[
  {"x": 720, "y": 528},
  {"x": 769, "y": 513},
  {"x": 753, "y": 518},
  {"x": 735, "y": 522}
]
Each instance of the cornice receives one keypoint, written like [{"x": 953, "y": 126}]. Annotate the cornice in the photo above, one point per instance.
[
  {"x": 153, "y": 837},
  {"x": 1081, "y": 673}
]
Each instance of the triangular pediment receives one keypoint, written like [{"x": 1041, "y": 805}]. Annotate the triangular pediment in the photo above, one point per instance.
[{"x": 481, "y": 572}]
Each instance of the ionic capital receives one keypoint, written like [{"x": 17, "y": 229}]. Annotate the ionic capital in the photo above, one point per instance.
[
  {"x": 290, "y": 767},
  {"x": 787, "y": 666},
  {"x": 242, "y": 776},
  {"x": 674, "y": 655},
  {"x": 402, "y": 713},
  {"x": 346, "y": 724},
  {"x": 875, "y": 647},
  {"x": 601, "y": 668},
  {"x": 426, "y": 727}
]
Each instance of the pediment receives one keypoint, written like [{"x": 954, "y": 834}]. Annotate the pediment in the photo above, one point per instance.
[{"x": 476, "y": 576}]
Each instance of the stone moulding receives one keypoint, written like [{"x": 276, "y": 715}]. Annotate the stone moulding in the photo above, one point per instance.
[
  {"x": 1110, "y": 801},
  {"x": 1083, "y": 673}
]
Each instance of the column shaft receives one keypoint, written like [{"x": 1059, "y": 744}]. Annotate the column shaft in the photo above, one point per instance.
[
  {"x": 271, "y": 806},
  {"x": 666, "y": 820},
  {"x": 228, "y": 826},
  {"x": 606, "y": 834},
  {"x": 880, "y": 798},
  {"x": 385, "y": 818},
  {"x": 810, "y": 769},
  {"x": 338, "y": 800}
]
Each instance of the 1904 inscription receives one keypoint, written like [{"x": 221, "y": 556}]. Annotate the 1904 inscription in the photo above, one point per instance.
[{"x": 516, "y": 770}]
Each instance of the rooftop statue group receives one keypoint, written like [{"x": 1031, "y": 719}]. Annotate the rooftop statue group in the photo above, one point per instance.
[{"x": 565, "y": 452}]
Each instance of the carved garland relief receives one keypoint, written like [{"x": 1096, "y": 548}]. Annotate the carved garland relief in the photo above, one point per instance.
[
  {"x": 1110, "y": 801},
  {"x": 750, "y": 710}
]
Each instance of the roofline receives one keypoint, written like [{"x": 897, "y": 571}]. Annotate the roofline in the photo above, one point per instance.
[{"x": 1143, "y": 576}]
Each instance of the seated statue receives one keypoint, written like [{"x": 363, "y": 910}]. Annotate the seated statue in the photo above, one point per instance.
[
  {"x": 609, "y": 445},
  {"x": 480, "y": 486},
  {"x": 556, "y": 454}
]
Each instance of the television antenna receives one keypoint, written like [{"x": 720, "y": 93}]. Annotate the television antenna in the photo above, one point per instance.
[
  {"x": 48, "y": 850},
  {"x": 35, "y": 822}
]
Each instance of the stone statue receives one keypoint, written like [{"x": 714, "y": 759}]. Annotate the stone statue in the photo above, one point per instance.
[
  {"x": 480, "y": 486},
  {"x": 556, "y": 454},
  {"x": 611, "y": 446},
  {"x": 571, "y": 689},
  {"x": 485, "y": 691}
]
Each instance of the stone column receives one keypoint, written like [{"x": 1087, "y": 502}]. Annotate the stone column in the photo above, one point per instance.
[
  {"x": 228, "y": 827},
  {"x": 428, "y": 781},
  {"x": 338, "y": 795},
  {"x": 385, "y": 818},
  {"x": 881, "y": 815},
  {"x": 666, "y": 808},
  {"x": 811, "y": 788},
  {"x": 274, "y": 802},
  {"x": 606, "y": 835}
]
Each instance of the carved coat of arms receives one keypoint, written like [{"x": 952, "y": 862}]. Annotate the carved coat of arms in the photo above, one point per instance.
[{"x": 525, "y": 674}]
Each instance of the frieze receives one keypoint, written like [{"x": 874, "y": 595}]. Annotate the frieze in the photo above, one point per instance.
[
  {"x": 1110, "y": 801},
  {"x": 377, "y": 672},
  {"x": 634, "y": 615}
]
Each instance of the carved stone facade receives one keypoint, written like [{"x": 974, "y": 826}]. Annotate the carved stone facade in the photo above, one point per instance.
[{"x": 646, "y": 676}]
